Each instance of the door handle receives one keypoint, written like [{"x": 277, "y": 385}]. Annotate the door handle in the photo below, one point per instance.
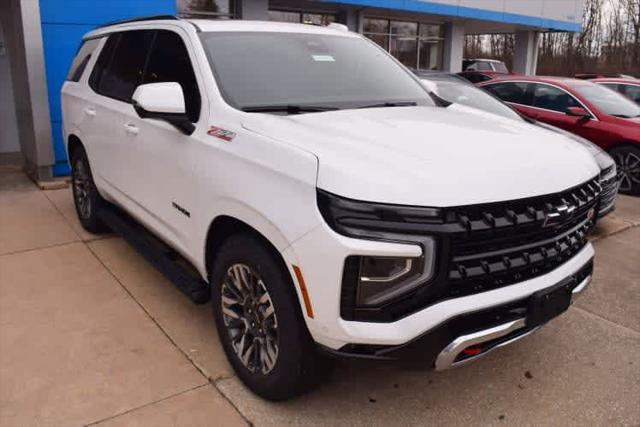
[
  {"x": 90, "y": 111},
  {"x": 131, "y": 129}
]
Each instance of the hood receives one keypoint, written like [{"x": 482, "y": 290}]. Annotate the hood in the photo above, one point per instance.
[
  {"x": 603, "y": 159},
  {"x": 430, "y": 156}
]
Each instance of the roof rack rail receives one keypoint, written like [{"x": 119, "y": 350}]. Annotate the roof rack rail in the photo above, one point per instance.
[{"x": 139, "y": 19}]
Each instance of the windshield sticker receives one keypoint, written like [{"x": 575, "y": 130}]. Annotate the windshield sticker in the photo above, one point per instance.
[
  {"x": 323, "y": 58},
  {"x": 225, "y": 135}
]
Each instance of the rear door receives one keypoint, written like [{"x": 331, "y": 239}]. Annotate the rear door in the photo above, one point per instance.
[
  {"x": 516, "y": 94},
  {"x": 77, "y": 98},
  {"x": 117, "y": 73}
]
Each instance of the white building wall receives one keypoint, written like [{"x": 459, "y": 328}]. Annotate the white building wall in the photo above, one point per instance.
[{"x": 561, "y": 10}]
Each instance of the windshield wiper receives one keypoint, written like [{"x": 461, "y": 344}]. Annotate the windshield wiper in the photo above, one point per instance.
[
  {"x": 289, "y": 109},
  {"x": 390, "y": 104},
  {"x": 622, "y": 116}
]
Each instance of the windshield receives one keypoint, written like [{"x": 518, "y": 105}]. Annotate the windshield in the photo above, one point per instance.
[
  {"x": 471, "y": 96},
  {"x": 307, "y": 72},
  {"x": 607, "y": 100}
]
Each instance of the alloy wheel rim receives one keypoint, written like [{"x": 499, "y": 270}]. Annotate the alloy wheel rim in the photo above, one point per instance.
[
  {"x": 628, "y": 165},
  {"x": 249, "y": 318},
  {"x": 81, "y": 186}
]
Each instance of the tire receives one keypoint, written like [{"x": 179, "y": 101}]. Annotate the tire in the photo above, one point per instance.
[
  {"x": 291, "y": 363},
  {"x": 627, "y": 160},
  {"x": 85, "y": 194}
]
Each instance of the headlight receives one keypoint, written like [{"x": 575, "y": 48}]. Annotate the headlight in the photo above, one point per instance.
[
  {"x": 382, "y": 279},
  {"x": 370, "y": 282}
]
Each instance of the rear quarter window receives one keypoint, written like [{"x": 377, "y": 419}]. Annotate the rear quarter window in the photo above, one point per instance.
[{"x": 80, "y": 61}]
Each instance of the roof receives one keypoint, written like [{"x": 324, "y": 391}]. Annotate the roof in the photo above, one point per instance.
[
  {"x": 210, "y": 25},
  {"x": 616, "y": 80},
  {"x": 561, "y": 81},
  {"x": 484, "y": 59}
]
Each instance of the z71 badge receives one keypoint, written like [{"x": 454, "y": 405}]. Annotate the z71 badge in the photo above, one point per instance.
[{"x": 225, "y": 135}]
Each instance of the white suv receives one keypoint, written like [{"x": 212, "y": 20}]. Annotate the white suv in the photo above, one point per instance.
[{"x": 333, "y": 205}]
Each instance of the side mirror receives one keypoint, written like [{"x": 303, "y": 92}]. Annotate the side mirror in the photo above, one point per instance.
[
  {"x": 578, "y": 112},
  {"x": 163, "y": 101}
]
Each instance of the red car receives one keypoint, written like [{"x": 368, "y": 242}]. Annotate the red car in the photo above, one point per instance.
[
  {"x": 592, "y": 111},
  {"x": 628, "y": 87}
]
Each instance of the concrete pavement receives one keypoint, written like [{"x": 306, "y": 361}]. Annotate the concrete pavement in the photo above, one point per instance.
[{"x": 91, "y": 334}]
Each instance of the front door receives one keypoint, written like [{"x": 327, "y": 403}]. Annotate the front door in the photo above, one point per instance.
[{"x": 162, "y": 158}]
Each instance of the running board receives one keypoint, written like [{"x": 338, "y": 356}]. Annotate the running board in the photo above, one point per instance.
[{"x": 165, "y": 259}]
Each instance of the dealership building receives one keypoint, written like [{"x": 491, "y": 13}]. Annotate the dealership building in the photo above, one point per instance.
[{"x": 38, "y": 39}]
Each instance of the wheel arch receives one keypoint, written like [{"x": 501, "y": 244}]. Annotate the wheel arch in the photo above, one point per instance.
[
  {"x": 73, "y": 143},
  {"x": 622, "y": 143},
  {"x": 224, "y": 226}
]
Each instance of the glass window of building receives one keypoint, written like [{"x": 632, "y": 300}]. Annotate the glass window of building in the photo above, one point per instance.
[
  {"x": 206, "y": 8},
  {"x": 417, "y": 45},
  {"x": 302, "y": 17}
]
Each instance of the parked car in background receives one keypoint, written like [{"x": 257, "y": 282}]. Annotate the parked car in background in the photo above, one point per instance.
[
  {"x": 591, "y": 76},
  {"x": 457, "y": 90},
  {"x": 594, "y": 112},
  {"x": 481, "y": 70},
  {"x": 627, "y": 87},
  {"x": 326, "y": 212},
  {"x": 480, "y": 64}
]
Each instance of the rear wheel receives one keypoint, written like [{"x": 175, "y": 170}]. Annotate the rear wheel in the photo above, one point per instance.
[
  {"x": 627, "y": 160},
  {"x": 85, "y": 194},
  {"x": 259, "y": 320}
]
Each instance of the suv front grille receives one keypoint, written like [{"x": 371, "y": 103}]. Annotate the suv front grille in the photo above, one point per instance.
[
  {"x": 506, "y": 243},
  {"x": 479, "y": 247}
]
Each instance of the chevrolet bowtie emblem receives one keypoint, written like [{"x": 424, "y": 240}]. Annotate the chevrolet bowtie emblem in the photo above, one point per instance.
[{"x": 558, "y": 215}]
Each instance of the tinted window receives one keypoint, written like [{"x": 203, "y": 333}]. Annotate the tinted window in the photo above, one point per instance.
[
  {"x": 480, "y": 66},
  {"x": 500, "y": 67},
  {"x": 81, "y": 59},
  {"x": 278, "y": 69},
  {"x": 630, "y": 91},
  {"x": 551, "y": 98},
  {"x": 515, "y": 92},
  {"x": 169, "y": 62},
  {"x": 119, "y": 78}
]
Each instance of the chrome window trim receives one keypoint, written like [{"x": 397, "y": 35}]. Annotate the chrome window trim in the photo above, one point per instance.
[{"x": 593, "y": 116}]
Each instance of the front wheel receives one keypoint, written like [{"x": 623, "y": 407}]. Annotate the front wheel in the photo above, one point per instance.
[
  {"x": 259, "y": 320},
  {"x": 627, "y": 160}
]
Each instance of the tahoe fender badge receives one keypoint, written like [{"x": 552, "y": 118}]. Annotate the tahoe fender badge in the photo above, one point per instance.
[
  {"x": 181, "y": 209},
  {"x": 223, "y": 134}
]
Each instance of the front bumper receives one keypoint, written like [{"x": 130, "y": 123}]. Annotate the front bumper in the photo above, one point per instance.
[
  {"x": 321, "y": 254},
  {"x": 483, "y": 331}
]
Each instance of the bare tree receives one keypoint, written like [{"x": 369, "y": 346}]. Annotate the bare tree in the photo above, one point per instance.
[{"x": 609, "y": 42}]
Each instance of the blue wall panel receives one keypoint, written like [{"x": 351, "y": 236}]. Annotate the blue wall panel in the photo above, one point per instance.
[{"x": 63, "y": 24}]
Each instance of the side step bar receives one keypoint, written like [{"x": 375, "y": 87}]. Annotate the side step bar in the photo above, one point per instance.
[{"x": 165, "y": 259}]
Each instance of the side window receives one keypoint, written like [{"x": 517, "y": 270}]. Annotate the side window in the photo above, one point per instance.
[
  {"x": 631, "y": 91},
  {"x": 169, "y": 62},
  {"x": 614, "y": 86},
  {"x": 483, "y": 66},
  {"x": 117, "y": 77},
  {"x": 551, "y": 98},
  {"x": 515, "y": 92},
  {"x": 81, "y": 59}
]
